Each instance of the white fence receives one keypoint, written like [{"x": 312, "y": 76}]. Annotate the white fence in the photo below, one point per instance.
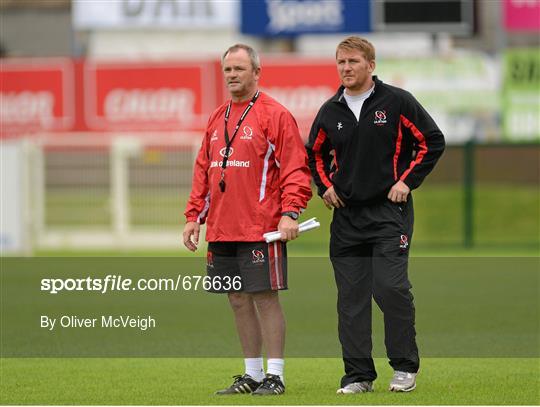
[{"x": 109, "y": 191}]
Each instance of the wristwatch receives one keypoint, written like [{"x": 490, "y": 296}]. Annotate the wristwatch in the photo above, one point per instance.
[{"x": 291, "y": 214}]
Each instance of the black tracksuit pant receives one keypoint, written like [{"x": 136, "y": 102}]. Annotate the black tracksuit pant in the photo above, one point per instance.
[{"x": 369, "y": 248}]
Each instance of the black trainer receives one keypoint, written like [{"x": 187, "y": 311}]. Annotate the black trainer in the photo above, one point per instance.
[
  {"x": 271, "y": 385},
  {"x": 241, "y": 385}
]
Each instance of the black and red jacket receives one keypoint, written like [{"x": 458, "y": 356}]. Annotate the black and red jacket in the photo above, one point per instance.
[{"x": 395, "y": 139}]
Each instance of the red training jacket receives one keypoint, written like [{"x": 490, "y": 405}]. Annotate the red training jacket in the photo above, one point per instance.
[{"x": 267, "y": 173}]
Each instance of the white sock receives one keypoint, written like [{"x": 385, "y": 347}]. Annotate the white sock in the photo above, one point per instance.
[
  {"x": 255, "y": 368},
  {"x": 275, "y": 367}
]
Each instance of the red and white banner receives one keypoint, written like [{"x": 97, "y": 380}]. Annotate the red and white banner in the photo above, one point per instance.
[
  {"x": 36, "y": 95},
  {"x": 148, "y": 96},
  {"x": 302, "y": 85},
  {"x": 522, "y": 15}
]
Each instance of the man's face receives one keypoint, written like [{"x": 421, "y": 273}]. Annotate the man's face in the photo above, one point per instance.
[
  {"x": 240, "y": 76},
  {"x": 354, "y": 69}
]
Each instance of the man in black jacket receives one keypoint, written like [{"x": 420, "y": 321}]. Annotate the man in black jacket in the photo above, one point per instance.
[{"x": 369, "y": 146}]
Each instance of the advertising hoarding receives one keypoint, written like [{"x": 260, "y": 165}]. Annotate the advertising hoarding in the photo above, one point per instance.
[
  {"x": 36, "y": 95},
  {"x": 521, "y": 95},
  {"x": 147, "y": 95},
  {"x": 294, "y": 17},
  {"x": 170, "y": 14},
  {"x": 301, "y": 85},
  {"x": 522, "y": 15}
]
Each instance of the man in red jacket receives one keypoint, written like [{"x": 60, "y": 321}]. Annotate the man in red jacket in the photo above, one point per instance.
[{"x": 251, "y": 176}]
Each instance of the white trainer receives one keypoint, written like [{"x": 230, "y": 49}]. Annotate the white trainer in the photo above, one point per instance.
[
  {"x": 356, "y": 387},
  {"x": 403, "y": 381}
]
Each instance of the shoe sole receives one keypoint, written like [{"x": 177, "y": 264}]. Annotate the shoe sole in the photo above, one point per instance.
[
  {"x": 217, "y": 393},
  {"x": 352, "y": 392},
  {"x": 231, "y": 394},
  {"x": 397, "y": 390}
]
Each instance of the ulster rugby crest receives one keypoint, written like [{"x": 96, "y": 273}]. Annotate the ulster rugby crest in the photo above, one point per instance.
[
  {"x": 380, "y": 117},
  {"x": 258, "y": 256},
  {"x": 403, "y": 242}
]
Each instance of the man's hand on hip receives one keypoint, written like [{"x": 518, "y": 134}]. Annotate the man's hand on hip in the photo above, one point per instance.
[
  {"x": 288, "y": 228},
  {"x": 399, "y": 192},
  {"x": 331, "y": 199},
  {"x": 191, "y": 229}
]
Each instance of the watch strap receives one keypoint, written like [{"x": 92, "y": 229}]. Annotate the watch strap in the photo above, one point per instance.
[{"x": 291, "y": 214}]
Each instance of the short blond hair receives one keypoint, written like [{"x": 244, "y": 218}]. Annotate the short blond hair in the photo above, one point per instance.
[{"x": 359, "y": 44}]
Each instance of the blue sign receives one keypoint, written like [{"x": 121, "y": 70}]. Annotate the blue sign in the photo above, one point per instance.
[{"x": 286, "y": 18}]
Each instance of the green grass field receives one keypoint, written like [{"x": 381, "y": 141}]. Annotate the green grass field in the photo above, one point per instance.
[
  {"x": 309, "y": 381},
  {"x": 478, "y": 323},
  {"x": 478, "y": 339}
]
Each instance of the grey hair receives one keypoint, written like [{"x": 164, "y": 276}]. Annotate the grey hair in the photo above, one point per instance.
[{"x": 253, "y": 55}]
